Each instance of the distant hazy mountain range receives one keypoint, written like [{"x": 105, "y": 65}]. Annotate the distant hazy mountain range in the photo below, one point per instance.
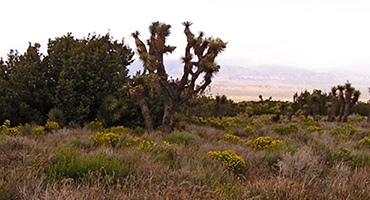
[{"x": 279, "y": 82}]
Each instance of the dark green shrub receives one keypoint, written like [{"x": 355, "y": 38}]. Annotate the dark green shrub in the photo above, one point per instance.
[
  {"x": 56, "y": 115},
  {"x": 139, "y": 131},
  {"x": 95, "y": 126}
]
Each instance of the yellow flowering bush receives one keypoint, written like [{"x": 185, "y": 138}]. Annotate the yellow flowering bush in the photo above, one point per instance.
[
  {"x": 234, "y": 162},
  {"x": 249, "y": 130},
  {"x": 6, "y": 123},
  {"x": 39, "y": 131},
  {"x": 314, "y": 129},
  {"x": 50, "y": 126},
  {"x": 345, "y": 130},
  {"x": 364, "y": 141},
  {"x": 102, "y": 138},
  {"x": 264, "y": 143},
  {"x": 13, "y": 130},
  {"x": 142, "y": 144},
  {"x": 228, "y": 137},
  {"x": 118, "y": 129},
  {"x": 6, "y": 129},
  {"x": 166, "y": 144},
  {"x": 344, "y": 154}
]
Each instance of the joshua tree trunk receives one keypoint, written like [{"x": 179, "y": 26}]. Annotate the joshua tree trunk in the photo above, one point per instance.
[
  {"x": 137, "y": 93},
  {"x": 330, "y": 113},
  {"x": 168, "y": 117},
  {"x": 332, "y": 106},
  {"x": 341, "y": 105},
  {"x": 347, "y": 106}
]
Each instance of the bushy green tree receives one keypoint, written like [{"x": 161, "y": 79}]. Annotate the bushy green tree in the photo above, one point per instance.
[
  {"x": 89, "y": 72},
  {"x": 76, "y": 78},
  {"x": 24, "y": 91}
]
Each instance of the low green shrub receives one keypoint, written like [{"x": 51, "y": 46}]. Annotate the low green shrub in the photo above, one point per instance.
[
  {"x": 344, "y": 154},
  {"x": 139, "y": 130},
  {"x": 346, "y": 130},
  {"x": 315, "y": 129},
  {"x": 69, "y": 164},
  {"x": 180, "y": 137},
  {"x": 291, "y": 128},
  {"x": 361, "y": 159},
  {"x": 95, "y": 126},
  {"x": 234, "y": 162}
]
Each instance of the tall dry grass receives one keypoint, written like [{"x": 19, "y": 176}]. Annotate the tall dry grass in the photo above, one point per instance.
[{"x": 310, "y": 165}]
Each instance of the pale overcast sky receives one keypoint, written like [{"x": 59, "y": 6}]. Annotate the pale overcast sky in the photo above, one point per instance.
[{"x": 316, "y": 34}]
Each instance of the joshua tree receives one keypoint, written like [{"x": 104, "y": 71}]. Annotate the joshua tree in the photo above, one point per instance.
[
  {"x": 351, "y": 97},
  {"x": 199, "y": 60},
  {"x": 368, "y": 117},
  {"x": 341, "y": 102},
  {"x": 261, "y": 99},
  {"x": 314, "y": 101},
  {"x": 347, "y": 98},
  {"x": 332, "y": 105}
]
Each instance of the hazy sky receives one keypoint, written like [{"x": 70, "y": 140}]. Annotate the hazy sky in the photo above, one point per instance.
[{"x": 318, "y": 34}]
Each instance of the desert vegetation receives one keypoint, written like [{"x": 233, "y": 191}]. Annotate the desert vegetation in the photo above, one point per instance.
[
  {"x": 312, "y": 160},
  {"x": 75, "y": 125}
]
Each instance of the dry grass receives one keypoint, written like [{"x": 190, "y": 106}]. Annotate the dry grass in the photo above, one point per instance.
[{"x": 312, "y": 165}]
